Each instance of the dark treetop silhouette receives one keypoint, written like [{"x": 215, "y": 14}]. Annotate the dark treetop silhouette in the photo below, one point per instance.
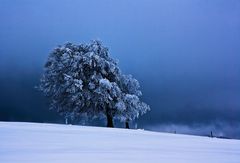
[{"x": 84, "y": 81}]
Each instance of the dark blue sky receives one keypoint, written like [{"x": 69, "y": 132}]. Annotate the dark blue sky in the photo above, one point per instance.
[{"x": 184, "y": 53}]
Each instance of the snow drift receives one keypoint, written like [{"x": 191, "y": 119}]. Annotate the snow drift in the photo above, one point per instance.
[{"x": 52, "y": 143}]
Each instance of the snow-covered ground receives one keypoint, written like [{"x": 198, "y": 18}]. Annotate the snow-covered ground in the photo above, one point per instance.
[{"x": 52, "y": 143}]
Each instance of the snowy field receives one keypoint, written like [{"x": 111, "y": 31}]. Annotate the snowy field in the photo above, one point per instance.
[{"x": 51, "y": 143}]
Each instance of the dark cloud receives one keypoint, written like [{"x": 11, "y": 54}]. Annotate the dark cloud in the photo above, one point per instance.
[{"x": 184, "y": 53}]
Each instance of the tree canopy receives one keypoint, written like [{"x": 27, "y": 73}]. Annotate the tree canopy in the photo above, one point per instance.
[{"x": 83, "y": 80}]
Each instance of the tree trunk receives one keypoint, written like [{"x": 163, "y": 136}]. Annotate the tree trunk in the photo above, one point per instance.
[
  {"x": 211, "y": 134},
  {"x": 109, "y": 120},
  {"x": 127, "y": 124}
]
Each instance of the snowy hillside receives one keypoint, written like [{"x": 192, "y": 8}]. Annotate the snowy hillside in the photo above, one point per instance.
[{"x": 51, "y": 143}]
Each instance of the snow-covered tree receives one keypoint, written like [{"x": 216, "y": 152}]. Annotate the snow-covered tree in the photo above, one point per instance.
[{"x": 84, "y": 81}]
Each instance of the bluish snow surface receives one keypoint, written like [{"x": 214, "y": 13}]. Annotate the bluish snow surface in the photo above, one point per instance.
[{"x": 52, "y": 143}]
